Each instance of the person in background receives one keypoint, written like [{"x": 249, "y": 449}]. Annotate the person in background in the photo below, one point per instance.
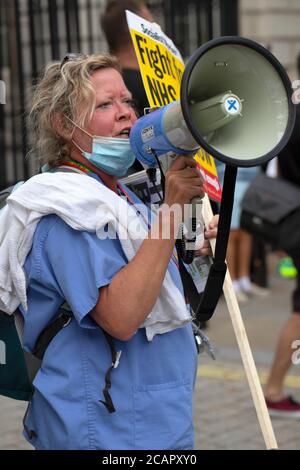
[
  {"x": 114, "y": 26},
  {"x": 120, "y": 45},
  {"x": 239, "y": 250},
  {"x": 280, "y": 404}
]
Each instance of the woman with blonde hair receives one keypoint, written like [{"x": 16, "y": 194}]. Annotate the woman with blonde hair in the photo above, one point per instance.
[{"x": 120, "y": 373}]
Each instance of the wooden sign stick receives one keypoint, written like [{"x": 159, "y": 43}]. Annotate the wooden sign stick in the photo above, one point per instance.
[{"x": 244, "y": 347}]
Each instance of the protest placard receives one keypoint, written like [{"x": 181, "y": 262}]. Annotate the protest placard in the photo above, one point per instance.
[{"x": 162, "y": 67}]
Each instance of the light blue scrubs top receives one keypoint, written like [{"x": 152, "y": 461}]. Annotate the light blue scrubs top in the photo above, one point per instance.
[{"x": 152, "y": 386}]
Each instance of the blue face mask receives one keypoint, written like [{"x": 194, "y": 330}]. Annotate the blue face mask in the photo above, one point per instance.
[{"x": 110, "y": 154}]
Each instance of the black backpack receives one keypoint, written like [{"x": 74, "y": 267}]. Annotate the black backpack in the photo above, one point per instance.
[{"x": 271, "y": 212}]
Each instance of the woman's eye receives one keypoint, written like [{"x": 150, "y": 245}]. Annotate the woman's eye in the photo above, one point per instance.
[
  {"x": 109, "y": 104},
  {"x": 105, "y": 105},
  {"x": 130, "y": 102}
]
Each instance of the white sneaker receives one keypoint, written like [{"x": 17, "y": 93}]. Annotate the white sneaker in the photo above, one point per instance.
[
  {"x": 241, "y": 296},
  {"x": 259, "y": 291}
]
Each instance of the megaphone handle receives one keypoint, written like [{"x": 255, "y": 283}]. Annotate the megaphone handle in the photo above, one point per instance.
[
  {"x": 194, "y": 216},
  {"x": 244, "y": 347},
  {"x": 190, "y": 237},
  {"x": 196, "y": 202}
]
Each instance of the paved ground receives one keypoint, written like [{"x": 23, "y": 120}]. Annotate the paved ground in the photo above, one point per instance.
[{"x": 225, "y": 417}]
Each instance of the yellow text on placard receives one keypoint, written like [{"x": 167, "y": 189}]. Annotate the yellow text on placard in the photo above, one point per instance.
[
  {"x": 160, "y": 69},
  {"x": 206, "y": 161}
]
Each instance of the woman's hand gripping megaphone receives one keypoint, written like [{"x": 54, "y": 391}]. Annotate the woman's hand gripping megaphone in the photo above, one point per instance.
[
  {"x": 184, "y": 182},
  {"x": 184, "y": 188}
]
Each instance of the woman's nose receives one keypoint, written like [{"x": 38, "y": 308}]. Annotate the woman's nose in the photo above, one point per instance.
[{"x": 124, "y": 111}]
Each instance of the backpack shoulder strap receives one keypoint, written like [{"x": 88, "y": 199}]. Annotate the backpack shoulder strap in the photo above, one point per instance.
[
  {"x": 51, "y": 330},
  {"x": 62, "y": 321}
]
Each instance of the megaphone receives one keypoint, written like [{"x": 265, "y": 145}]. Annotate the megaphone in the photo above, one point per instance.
[{"x": 235, "y": 103}]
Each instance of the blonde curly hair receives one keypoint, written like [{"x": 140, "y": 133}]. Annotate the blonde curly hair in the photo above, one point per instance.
[{"x": 63, "y": 89}]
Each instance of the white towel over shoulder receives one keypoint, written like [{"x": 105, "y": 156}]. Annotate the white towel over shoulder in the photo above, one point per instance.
[{"x": 60, "y": 193}]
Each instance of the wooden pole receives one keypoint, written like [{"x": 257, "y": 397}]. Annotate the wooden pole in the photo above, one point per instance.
[{"x": 244, "y": 347}]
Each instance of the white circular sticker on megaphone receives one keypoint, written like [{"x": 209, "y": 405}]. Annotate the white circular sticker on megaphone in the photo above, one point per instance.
[{"x": 232, "y": 105}]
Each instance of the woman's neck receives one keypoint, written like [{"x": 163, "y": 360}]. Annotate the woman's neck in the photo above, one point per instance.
[{"x": 109, "y": 180}]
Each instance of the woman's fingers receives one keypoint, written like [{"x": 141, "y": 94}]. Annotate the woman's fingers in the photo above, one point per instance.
[
  {"x": 183, "y": 182},
  {"x": 212, "y": 230},
  {"x": 205, "y": 250},
  {"x": 182, "y": 162}
]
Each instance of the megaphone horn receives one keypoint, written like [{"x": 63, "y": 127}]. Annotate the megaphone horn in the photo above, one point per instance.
[
  {"x": 235, "y": 103},
  {"x": 260, "y": 84}
]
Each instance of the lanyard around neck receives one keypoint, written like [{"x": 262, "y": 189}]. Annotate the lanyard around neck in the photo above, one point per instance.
[{"x": 81, "y": 168}]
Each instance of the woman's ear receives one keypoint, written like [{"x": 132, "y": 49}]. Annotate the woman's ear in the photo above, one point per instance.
[{"x": 62, "y": 126}]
